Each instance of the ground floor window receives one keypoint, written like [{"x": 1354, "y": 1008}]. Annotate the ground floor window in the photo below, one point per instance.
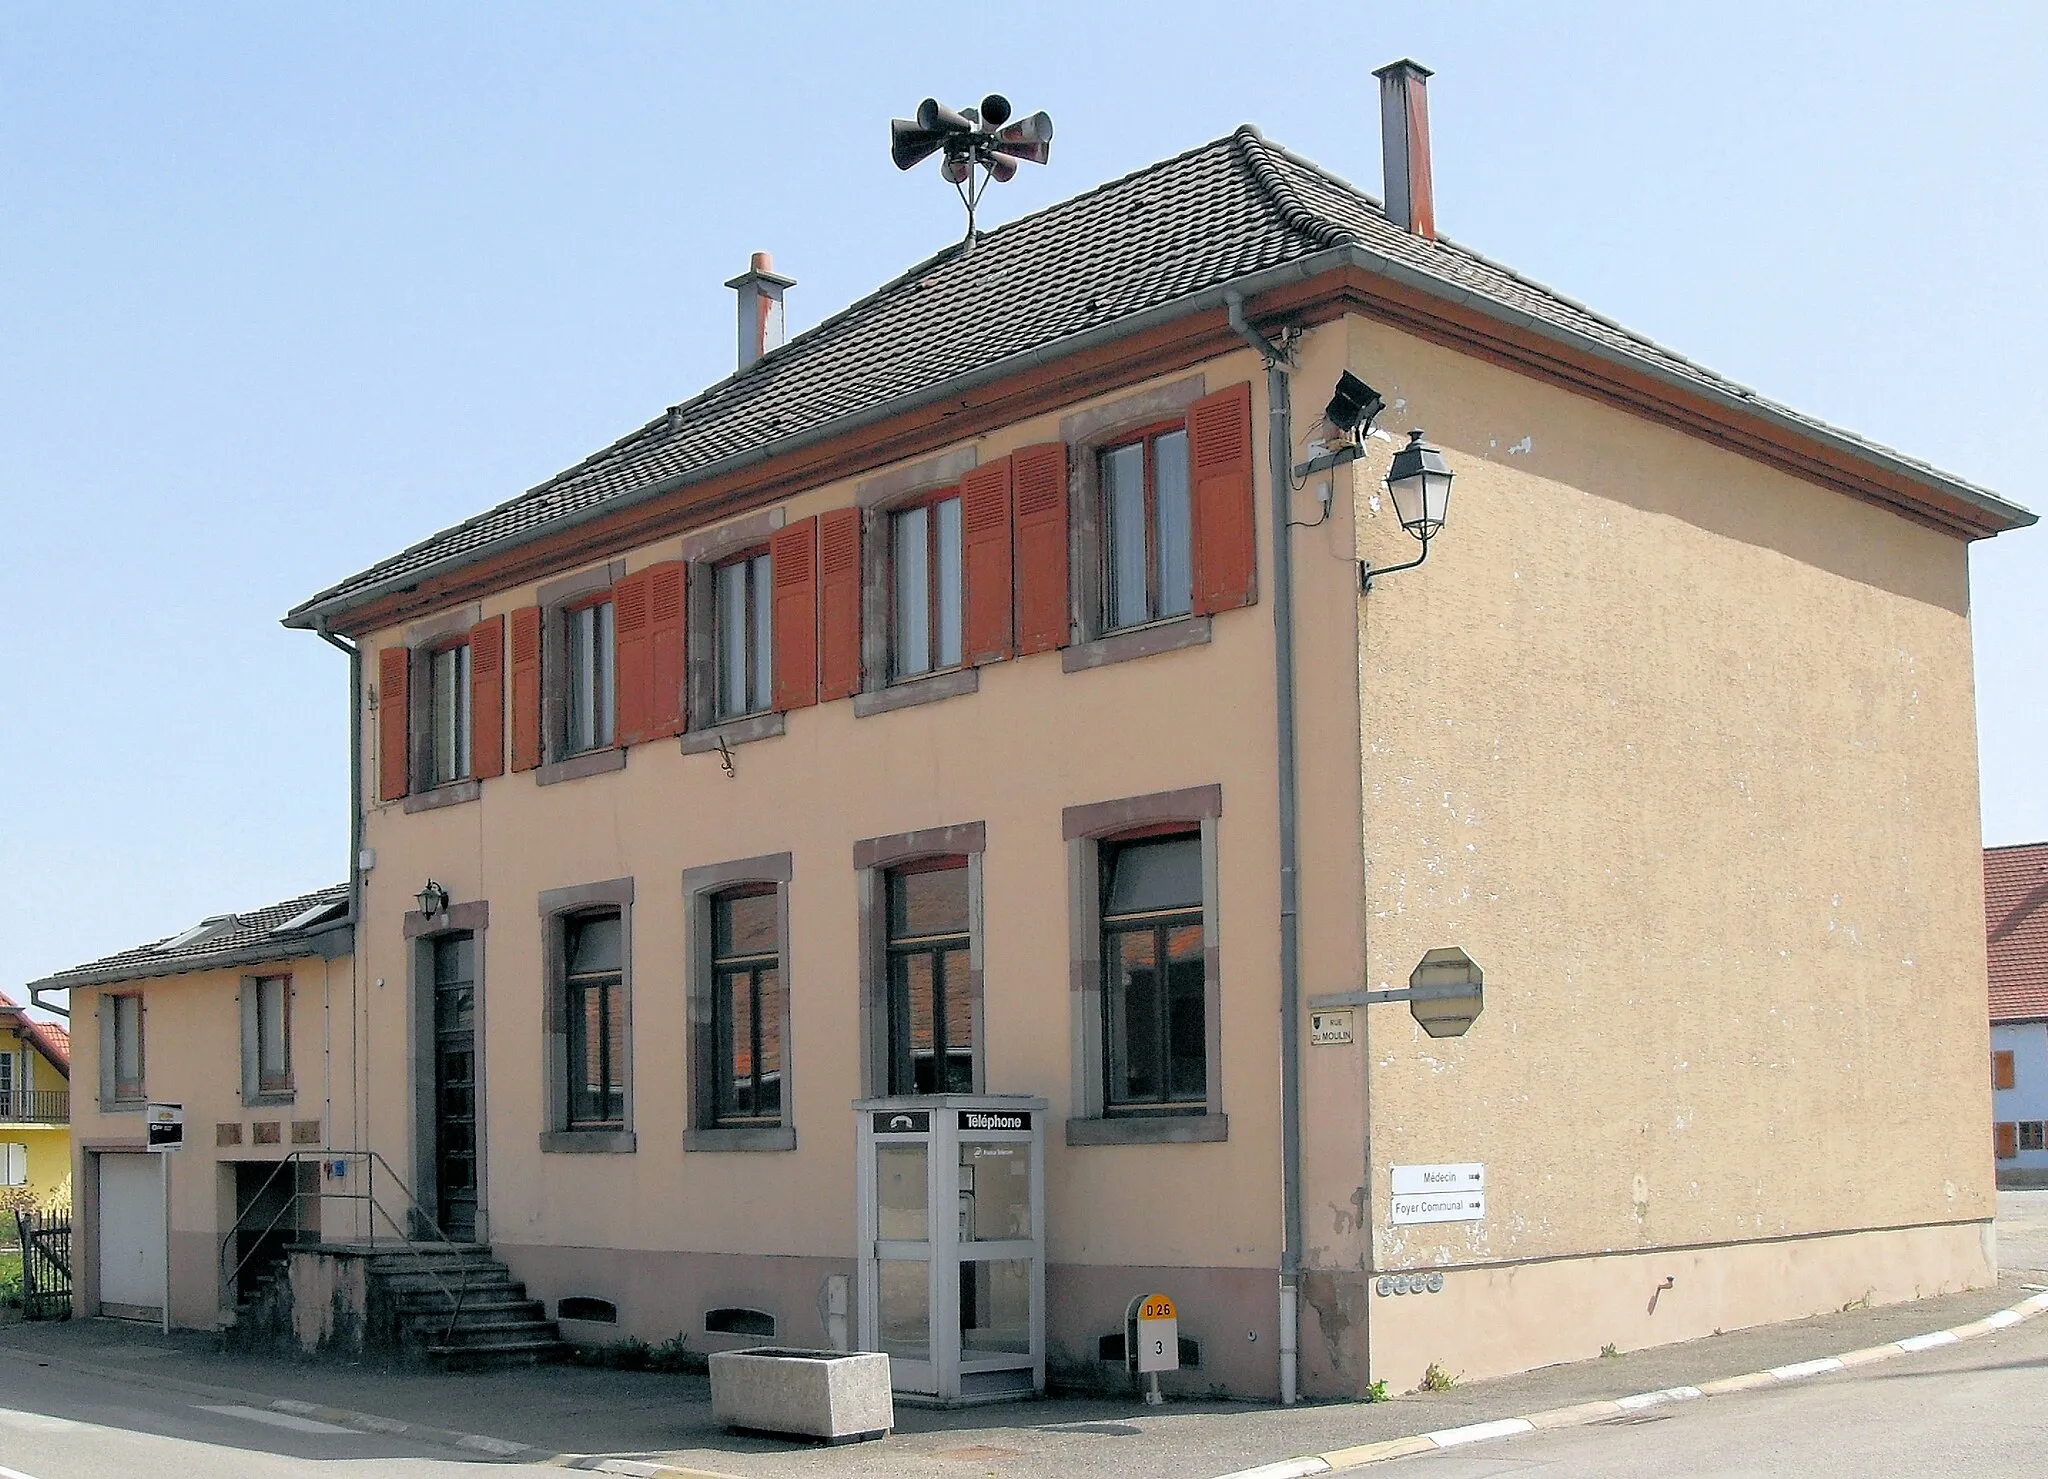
[
  {"x": 931, "y": 1000},
  {"x": 1155, "y": 1049},
  {"x": 594, "y": 994},
  {"x": 746, "y": 970},
  {"x": 2032, "y": 1136}
]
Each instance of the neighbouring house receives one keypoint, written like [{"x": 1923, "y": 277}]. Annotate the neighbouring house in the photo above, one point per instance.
[
  {"x": 247, "y": 1022},
  {"x": 35, "y": 1108},
  {"x": 2016, "y": 935},
  {"x": 979, "y": 693}
]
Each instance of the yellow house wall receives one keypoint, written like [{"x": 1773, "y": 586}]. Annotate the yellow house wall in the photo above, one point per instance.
[
  {"x": 1682, "y": 751},
  {"x": 192, "y": 1055},
  {"x": 49, "y": 1146}
]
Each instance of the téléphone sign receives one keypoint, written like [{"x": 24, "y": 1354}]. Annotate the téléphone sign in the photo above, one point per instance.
[
  {"x": 993, "y": 1119},
  {"x": 1454, "y": 1192}
]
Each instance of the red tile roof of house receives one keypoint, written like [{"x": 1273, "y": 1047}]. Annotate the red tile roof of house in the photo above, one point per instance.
[
  {"x": 51, "y": 1040},
  {"x": 2016, "y": 928}
]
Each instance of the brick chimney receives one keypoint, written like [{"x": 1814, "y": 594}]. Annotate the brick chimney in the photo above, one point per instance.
[
  {"x": 1404, "y": 146},
  {"x": 760, "y": 288}
]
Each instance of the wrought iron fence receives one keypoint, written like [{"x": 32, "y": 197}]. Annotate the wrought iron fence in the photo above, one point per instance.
[{"x": 45, "y": 1264}]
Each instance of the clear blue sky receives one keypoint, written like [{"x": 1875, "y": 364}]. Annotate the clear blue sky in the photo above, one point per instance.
[{"x": 285, "y": 287}]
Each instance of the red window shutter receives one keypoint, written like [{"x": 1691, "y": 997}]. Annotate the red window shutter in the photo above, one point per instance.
[
  {"x": 793, "y": 568},
  {"x": 633, "y": 658},
  {"x": 666, "y": 645},
  {"x": 394, "y": 722},
  {"x": 1220, "y": 474},
  {"x": 2006, "y": 1138},
  {"x": 985, "y": 558},
  {"x": 487, "y": 698},
  {"x": 839, "y": 603},
  {"x": 526, "y": 688},
  {"x": 1041, "y": 478},
  {"x": 2001, "y": 1070}
]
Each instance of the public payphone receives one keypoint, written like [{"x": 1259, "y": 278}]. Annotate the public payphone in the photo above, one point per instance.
[{"x": 952, "y": 1243}]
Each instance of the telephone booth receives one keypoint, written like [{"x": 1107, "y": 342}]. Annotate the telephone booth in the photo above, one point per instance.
[{"x": 952, "y": 1244}]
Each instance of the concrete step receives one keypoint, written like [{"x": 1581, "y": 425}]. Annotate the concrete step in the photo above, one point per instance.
[
  {"x": 501, "y": 1353},
  {"x": 492, "y": 1333}
]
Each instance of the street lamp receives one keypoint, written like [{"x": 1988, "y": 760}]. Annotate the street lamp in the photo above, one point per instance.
[
  {"x": 433, "y": 899},
  {"x": 1419, "y": 481}
]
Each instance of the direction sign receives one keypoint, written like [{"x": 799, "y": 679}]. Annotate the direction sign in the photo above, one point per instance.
[
  {"x": 1417, "y": 1180},
  {"x": 1452, "y": 1206}
]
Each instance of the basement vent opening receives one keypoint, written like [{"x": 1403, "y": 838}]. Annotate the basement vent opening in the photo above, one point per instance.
[
  {"x": 584, "y": 1307},
  {"x": 739, "y": 1321}
]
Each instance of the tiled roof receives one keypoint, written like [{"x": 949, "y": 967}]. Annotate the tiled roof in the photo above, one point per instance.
[
  {"x": 53, "y": 1041},
  {"x": 236, "y": 939},
  {"x": 2016, "y": 930},
  {"x": 1219, "y": 213}
]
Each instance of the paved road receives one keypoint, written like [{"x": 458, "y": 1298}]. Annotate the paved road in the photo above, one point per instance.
[
  {"x": 62, "y": 1425},
  {"x": 1972, "y": 1410}
]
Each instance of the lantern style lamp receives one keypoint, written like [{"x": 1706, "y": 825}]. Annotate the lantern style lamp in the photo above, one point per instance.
[
  {"x": 1419, "y": 480},
  {"x": 433, "y": 899}
]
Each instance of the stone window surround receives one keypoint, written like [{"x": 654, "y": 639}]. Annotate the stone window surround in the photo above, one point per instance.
[
  {"x": 700, "y": 884},
  {"x": 1085, "y": 829},
  {"x": 1086, "y": 434},
  {"x": 703, "y": 731},
  {"x": 877, "y": 498},
  {"x": 250, "y": 1007},
  {"x": 557, "y": 906},
  {"x": 873, "y": 857},
  {"x": 110, "y": 1100},
  {"x": 419, "y": 930},
  {"x": 554, "y": 598}
]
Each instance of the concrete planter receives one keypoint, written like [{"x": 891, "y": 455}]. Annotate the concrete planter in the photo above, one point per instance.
[{"x": 838, "y": 1396}]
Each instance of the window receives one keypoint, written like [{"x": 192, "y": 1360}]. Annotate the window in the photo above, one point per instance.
[
  {"x": 1155, "y": 1033},
  {"x": 7, "y": 1110},
  {"x": 126, "y": 1014},
  {"x": 13, "y": 1163},
  {"x": 266, "y": 1037},
  {"x": 925, "y": 610},
  {"x": 1148, "y": 540},
  {"x": 2001, "y": 1070},
  {"x": 2031, "y": 1137},
  {"x": 742, "y": 619},
  {"x": 590, "y": 697},
  {"x": 594, "y": 953},
  {"x": 746, "y": 969},
  {"x": 930, "y": 1002},
  {"x": 738, "y": 987},
  {"x": 448, "y": 718}
]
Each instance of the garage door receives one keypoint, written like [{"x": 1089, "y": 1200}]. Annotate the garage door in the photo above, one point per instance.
[{"x": 131, "y": 1237}]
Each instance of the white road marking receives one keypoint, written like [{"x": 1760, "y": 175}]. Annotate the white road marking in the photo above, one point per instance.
[
  {"x": 7, "y": 1473},
  {"x": 1800, "y": 1369},
  {"x": 1926, "y": 1342},
  {"x": 276, "y": 1419},
  {"x": 1480, "y": 1432}
]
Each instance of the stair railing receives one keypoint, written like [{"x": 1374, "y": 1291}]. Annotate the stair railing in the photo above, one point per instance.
[{"x": 408, "y": 1242}]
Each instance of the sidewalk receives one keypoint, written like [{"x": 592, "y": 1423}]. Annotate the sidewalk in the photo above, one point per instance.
[{"x": 666, "y": 1419}]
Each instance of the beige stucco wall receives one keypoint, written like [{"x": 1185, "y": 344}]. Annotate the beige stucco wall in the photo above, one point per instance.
[
  {"x": 1682, "y": 751},
  {"x": 1032, "y": 741},
  {"x": 192, "y": 1055}
]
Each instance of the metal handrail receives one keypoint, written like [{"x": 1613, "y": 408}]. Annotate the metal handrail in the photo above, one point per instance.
[
  {"x": 370, "y": 1160},
  {"x": 36, "y": 1106}
]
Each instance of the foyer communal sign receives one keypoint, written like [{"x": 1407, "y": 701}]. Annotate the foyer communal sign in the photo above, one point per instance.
[{"x": 1444, "y": 1193}]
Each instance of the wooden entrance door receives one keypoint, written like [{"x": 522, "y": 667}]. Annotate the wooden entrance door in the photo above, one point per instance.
[{"x": 455, "y": 1070}]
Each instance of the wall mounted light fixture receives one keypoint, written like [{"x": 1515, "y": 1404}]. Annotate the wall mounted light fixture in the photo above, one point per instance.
[
  {"x": 1420, "y": 482},
  {"x": 433, "y": 899}
]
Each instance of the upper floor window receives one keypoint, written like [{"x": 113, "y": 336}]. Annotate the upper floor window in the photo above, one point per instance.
[
  {"x": 742, "y": 617},
  {"x": 590, "y": 686},
  {"x": 925, "y": 609},
  {"x": 746, "y": 969},
  {"x": 274, "y": 1032},
  {"x": 1154, "y": 980},
  {"x": 931, "y": 1004},
  {"x": 125, "y": 1015},
  {"x": 593, "y": 995},
  {"x": 1148, "y": 540},
  {"x": 448, "y": 715}
]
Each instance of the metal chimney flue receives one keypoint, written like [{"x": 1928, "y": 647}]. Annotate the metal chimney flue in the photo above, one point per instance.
[
  {"x": 760, "y": 308},
  {"x": 1404, "y": 146}
]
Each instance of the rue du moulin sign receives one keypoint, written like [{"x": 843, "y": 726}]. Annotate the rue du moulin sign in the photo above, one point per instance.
[{"x": 1424, "y": 1194}]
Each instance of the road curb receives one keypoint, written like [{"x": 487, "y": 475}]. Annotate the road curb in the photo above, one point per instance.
[{"x": 1583, "y": 1413}]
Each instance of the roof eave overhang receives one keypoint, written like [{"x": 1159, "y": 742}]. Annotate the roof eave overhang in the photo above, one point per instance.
[
  {"x": 1911, "y": 488},
  {"x": 329, "y": 943}
]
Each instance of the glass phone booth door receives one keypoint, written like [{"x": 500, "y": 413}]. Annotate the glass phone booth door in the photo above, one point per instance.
[{"x": 952, "y": 1256}]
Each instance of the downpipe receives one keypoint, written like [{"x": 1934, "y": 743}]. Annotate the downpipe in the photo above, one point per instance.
[{"x": 1279, "y": 442}]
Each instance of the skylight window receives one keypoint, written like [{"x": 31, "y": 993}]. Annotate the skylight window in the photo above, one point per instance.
[
  {"x": 208, "y": 929},
  {"x": 307, "y": 918}
]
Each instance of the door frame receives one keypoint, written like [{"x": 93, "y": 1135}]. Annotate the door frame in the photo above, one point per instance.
[
  {"x": 473, "y": 918},
  {"x": 85, "y": 1232}
]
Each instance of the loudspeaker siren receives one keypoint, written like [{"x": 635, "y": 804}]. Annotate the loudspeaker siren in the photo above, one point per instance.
[{"x": 995, "y": 110}]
